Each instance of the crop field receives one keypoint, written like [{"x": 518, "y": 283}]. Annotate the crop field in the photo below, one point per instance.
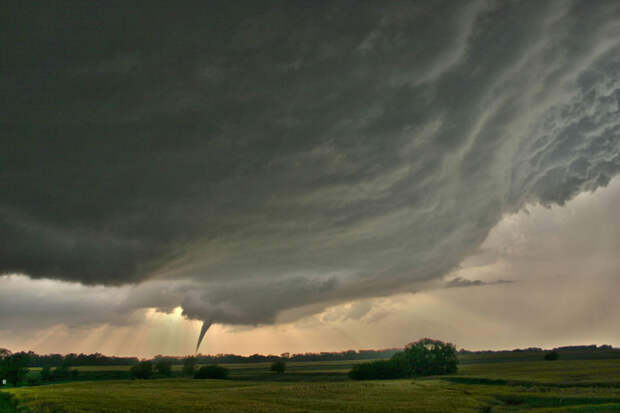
[{"x": 503, "y": 386}]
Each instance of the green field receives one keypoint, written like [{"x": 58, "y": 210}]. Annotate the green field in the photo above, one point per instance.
[{"x": 501, "y": 386}]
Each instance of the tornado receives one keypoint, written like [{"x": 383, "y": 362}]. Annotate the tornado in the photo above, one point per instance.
[{"x": 205, "y": 326}]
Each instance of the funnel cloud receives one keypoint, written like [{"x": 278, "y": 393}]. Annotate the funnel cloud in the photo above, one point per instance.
[
  {"x": 240, "y": 159},
  {"x": 203, "y": 331}
]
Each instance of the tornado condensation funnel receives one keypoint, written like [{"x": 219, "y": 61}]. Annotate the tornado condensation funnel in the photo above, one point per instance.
[{"x": 203, "y": 331}]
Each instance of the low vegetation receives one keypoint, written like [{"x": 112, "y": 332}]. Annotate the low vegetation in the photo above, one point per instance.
[
  {"x": 141, "y": 370},
  {"x": 278, "y": 367},
  {"x": 164, "y": 368},
  {"x": 211, "y": 372},
  {"x": 189, "y": 366}
]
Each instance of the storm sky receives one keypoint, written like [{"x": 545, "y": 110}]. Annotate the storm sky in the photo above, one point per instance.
[{"x": 404, "y": 167}]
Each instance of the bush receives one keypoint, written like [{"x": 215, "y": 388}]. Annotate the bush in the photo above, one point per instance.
[
  {"x": 189, "y": 366},
  {"x": 164, "y": 368},
  {"x": 46, "y": 374},
  {"x": 211, "y": 372},
  {"x": 424, "y": 357},
  {"x": 142, "y": 370},
  {"x": 60, "y": 373},
  {"x": 552, "y": 355},
  {"x": 33, "y": 380},
  {"x": 278, "y": 367},
  {"x": 377, "y": 370}
]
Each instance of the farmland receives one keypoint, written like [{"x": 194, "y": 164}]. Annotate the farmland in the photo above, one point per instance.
[{"x": 489, "y": 385}]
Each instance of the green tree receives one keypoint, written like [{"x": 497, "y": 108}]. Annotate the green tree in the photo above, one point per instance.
[
  {"x": 46, "y": 374},
  {"x": 60, "y": 373},
  {"x": 142, "y": 370},
  {"x": 278, "y": 366},
  {"x": 14, "y": 367},
  {"x": 427, "y": 357},
  {"x": 189, "y": 366},
  {"x": 164, "y": 368},
  {"x": 4, "y": 354}
]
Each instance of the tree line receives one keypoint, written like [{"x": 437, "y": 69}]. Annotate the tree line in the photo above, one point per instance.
[
  {"x": 97, "y": 359},
  {"x": 260, "y": 358},
  {"x": 33, "y": 359},
  {"x": 72, "y": 359}
]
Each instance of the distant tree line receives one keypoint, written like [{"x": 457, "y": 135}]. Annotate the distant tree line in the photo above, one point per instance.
[
  {"x": 72, "y": 359},
  {"x": 587, "y": 348},
  {"x": 98, "y": 359},
  {"x": 260, "y": 358}
]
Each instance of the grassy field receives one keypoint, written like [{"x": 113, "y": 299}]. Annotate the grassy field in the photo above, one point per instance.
[{"x": 503, "y": 386}]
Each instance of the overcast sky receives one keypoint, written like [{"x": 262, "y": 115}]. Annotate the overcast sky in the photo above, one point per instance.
[{"x": 309, "y": 176}]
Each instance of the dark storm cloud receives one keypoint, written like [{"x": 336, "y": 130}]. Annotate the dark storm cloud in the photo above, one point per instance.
[{"x": 265, "y": 156}]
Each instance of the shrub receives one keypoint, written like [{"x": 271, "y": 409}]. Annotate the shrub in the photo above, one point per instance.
[
  {"x": 552, "y": 355},
  {"x": 60, "y": 373},
  {"x": 142, "y": 370},
  {"x": 164, "y": 368},
  {"x": 211, "y": 372},
  {"x": 46, "y": 374},
  {"x": 278, "y": 367},
  {"x": 33, "y": 380},
  {"x": 377, "y": 370}
]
